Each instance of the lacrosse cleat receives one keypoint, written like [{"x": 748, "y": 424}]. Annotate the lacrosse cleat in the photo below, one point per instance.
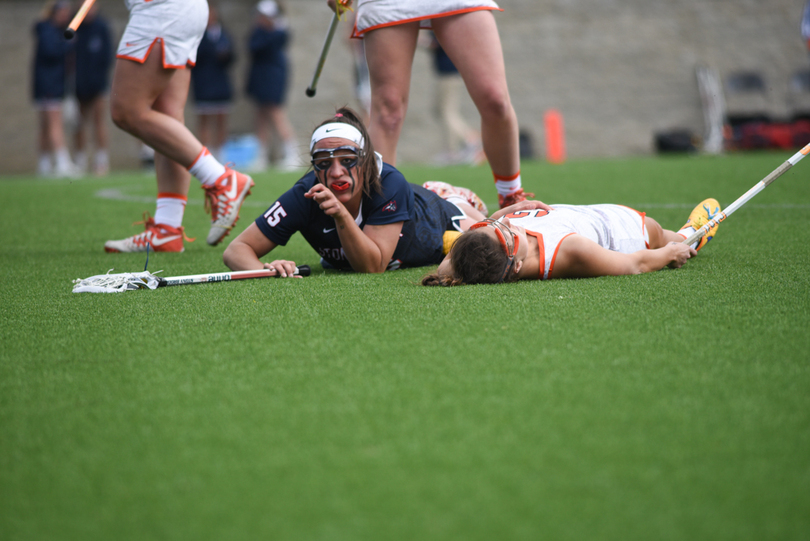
[
  {"x": 705, "y": 211},
  {"x": 448, "y": 192},
  {"x": 516, "y": 197},
  {"x": 223, "y": 200},
  {"x": 161, "y": 237}
]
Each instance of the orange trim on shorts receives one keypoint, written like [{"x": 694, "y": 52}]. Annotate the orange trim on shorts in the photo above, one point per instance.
[
  {"x": 169, "y": 195},
  {"x": 204, "y": 152},
  {"x": 507, "y": 179},
  {"x": 188, "y": 63},
  {"x": 556, "y": 251},
  {"x": 359, "y": 35},
  {"x": 542, "y": 246}
]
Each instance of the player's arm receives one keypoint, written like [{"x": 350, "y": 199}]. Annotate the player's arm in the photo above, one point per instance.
[
  {"x": 244, "y": 251},
  {"x": 580, "y": 257},
  {"x": 369, "y": 249}
]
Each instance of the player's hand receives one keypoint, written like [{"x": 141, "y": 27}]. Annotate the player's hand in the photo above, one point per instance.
[
  {"x": 283, "y": 268},
  {"x": 680, "y": 253},
  {"x": 326, "y": 200}
]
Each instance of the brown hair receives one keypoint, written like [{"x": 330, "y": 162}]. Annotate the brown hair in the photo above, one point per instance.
[
  {"x": 368, "y": 162},
  {"x": 477, "y": 258}
]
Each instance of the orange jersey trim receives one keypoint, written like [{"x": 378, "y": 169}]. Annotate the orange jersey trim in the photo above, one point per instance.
[
  {"x": 556, "y": 251},
  {"x": 189, "y": 63},
  {"x": 539, "y": 237},
  {"x": 359, "y": 35}
]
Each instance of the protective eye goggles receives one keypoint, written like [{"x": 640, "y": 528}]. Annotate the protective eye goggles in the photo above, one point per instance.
[
  {"x": 508, "y": 239},
  {"x": 322, "y": 157}
]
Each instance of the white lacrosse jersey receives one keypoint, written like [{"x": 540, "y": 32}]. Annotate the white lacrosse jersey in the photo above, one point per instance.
[
  {"x": 614, "y": 227},
  {"x": 373, "y": 14},
  {"x": 176, "y": 27}
]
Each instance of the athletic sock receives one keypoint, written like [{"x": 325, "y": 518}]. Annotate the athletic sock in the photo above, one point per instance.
[
  {"x": 206, "y": 168},
  {"x": 80, "y": 159},
  {"x": 62, "y": 159},
  {"x": 686, "y": 232},
  {"x": 44, "y": 165},
  {"x": 507, "y": 185},
  {"x": 170, "y": 209},
  {"x": 102, "y": 159}
]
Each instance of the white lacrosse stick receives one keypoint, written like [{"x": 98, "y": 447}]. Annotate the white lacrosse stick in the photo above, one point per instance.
[{"x": 128, "y": 281}]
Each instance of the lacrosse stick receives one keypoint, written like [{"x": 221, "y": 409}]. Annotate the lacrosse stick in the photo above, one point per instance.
[
  {"x": 70, "y": 31},
  {"x": 324, "y": 51},
  {"x": 744, "y": 198},
  {"x": 129, "y": 281}
]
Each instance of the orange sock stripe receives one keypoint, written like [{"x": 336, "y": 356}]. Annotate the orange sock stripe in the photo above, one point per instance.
[
  {"x": 513, "y": 177},
  {"x": 203, "y": 152},
  {"x": 169, "y": 195}
]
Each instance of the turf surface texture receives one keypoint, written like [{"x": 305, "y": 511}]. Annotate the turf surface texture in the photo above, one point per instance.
[{"x": 672, "y": 405}]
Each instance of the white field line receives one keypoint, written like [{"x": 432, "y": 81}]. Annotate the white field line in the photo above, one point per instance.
[{"x": 119, "y": 194}]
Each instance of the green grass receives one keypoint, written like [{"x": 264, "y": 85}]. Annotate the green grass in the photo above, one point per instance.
[{"x": 673, "y": 405}]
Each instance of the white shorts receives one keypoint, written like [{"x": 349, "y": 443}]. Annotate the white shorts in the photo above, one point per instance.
[
  {"x": 177, "y": 25},
  {"x": 373, "y": 14}
]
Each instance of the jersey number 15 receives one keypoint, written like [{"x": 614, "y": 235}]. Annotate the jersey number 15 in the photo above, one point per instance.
[{"x": 274, "y": 214}]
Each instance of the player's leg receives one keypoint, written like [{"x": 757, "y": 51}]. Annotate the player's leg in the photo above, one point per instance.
[
  {"x": 389, "y": 55},
  {"x": 481, "y": 65},
  {"x": 284, "y": 129},
  {"x": 135, "y": 89}
]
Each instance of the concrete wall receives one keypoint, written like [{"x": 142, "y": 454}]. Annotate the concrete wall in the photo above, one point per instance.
[{"x": 618, "y": 70}]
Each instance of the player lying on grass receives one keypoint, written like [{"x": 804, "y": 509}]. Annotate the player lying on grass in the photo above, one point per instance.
[
  {"x": 568, "y": 241},
  {"x": 357, "y": 212}
]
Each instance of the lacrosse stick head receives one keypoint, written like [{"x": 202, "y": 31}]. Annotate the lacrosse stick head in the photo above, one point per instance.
[{"x": 116, "y": 283}]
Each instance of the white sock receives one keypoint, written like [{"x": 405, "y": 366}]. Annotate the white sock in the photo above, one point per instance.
[
  {"x": 507, "y": 185},
  {"x": 686, "y": 232},
  {"x": 62, "y": 159},
  {"x": 170, "y": 209},
  {"x": 206, "y": 168}
]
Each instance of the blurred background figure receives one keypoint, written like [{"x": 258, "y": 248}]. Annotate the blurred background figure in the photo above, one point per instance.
[
  {"x": 93, "y": 59},
  {"x": 211, "y": 84},
  {"x": 49, "y": 69},
  {"x": 462, "y": 142},
  {"x": 806, "y": 24},
  {"x": 267, "y": 84}
]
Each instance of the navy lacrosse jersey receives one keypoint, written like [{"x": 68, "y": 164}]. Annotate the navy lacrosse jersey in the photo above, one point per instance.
[{"x": 426, "y": 217}]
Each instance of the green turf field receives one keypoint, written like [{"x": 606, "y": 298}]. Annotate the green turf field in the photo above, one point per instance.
[{"x": 672, "y": 405}]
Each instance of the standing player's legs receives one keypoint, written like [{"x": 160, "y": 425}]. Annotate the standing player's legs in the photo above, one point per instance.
[
  {"x": 147, "y": 102},
  {"x": 481, "y": 65},
  {"x": 136, "y": 88},
  {"x": 389, "y": 55}
]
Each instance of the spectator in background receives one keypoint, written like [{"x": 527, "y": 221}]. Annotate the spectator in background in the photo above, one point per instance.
[
  {"x": 267, "y": 83},
  {"x": 211, "y": 83},
  {"x": 50, "y": 61},
  {"x": 94, "y": 55},
  {"x": 806, "y": 25},
  {"x": 462, "y": 143}
]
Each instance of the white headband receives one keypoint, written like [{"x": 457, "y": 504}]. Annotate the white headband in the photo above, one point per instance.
[{"x": 337, "y": 129}]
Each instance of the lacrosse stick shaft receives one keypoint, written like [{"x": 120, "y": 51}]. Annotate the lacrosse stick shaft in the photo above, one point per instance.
[
  {"x": 303, "y": 270},
  {"x": 744, "y": 198},
  {"x": 324, "y": 51},
  {"x": 70, "y": 31}
]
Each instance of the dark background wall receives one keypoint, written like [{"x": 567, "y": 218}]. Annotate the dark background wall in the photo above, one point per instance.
[{"x": 618, "y": 70}]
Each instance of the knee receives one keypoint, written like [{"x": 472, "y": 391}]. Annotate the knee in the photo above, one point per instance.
[
  {"x": 123, "y": 116},
  {"x": 494, "y": 103},
  {"x": 390, "y": 109}
]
